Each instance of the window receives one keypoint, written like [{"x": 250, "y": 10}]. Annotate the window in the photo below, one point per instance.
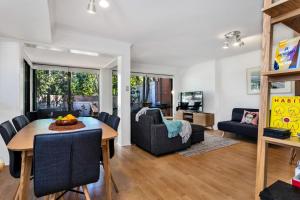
[{"x": 66, "y": 89}]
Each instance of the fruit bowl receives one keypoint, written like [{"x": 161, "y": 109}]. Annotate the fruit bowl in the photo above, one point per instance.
[{"x": 66, "y": 122}]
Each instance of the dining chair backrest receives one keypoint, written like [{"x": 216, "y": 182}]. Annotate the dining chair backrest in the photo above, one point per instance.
[
  {"x": 7, "y": 132},
  {"x": 67, "y": 160},
  {"x": 112, "y": 121},
  {"x": 20, "y": 122},
  {"x": 103, "y": 116}
]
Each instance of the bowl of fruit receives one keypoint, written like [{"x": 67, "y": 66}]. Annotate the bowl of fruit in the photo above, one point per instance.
[{"x": 66, "y": 121}]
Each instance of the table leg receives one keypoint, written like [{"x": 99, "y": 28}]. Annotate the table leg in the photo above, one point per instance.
[
  {"x": 106, "y": 165},
  {"x": 22, "y": 193}
]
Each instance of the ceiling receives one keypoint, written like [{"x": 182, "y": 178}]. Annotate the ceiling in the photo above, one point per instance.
[
  {"x": 26, "y": 19},
  {"x": 67, "y": 59},
  {"x": 165, "y": 33}
]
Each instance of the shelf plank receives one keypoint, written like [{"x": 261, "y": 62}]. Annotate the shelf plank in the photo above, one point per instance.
[
  {"x": 286, "y": 12},
  {"x": 281, "y": 73},
  {"x": 286, "y": 75},
  {"x": 281, "y": 7},
  {"x": 290, "y": 142}
]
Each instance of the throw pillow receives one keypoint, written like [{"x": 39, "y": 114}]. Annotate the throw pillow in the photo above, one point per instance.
[{"x": 250, "y": 117}]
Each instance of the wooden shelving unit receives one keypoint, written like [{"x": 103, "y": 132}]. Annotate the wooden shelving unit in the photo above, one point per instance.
[{"x": 288, "y": 13}]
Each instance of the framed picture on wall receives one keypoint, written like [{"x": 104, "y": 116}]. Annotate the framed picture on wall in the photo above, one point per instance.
[{"x": 253, "y": 83}]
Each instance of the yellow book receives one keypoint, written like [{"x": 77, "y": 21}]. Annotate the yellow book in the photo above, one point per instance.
[{"x": 286, "y": 113}]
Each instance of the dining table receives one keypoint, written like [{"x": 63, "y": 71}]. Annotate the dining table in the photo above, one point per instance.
[{"x": 23, "y": 142}]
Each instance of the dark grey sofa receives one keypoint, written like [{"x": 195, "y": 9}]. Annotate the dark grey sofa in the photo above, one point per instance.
[
  {"x": 234, "y": 125},
  {"x": 151, "y": 134}
]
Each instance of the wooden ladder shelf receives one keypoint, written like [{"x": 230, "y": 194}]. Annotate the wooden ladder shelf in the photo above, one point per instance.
[{"x": 286, "y": 12}]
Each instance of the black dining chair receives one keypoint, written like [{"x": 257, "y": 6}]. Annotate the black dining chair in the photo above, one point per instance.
[
  {"x": 66, "y": 161},
  {"x": 7, "y": 132},
  {"x": 103, "y": 116},
  {"x": 113, "y": 121},
  {"x": 20, "y": 122}
]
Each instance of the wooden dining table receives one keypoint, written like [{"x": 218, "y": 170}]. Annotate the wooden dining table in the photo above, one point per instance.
[{"x": 23, "y": 141}]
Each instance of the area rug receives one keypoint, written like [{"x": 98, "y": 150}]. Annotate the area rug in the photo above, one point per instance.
[{"x": 210, "y": 143}]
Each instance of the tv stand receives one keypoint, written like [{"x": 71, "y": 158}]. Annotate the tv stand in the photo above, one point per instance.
[{"x": 199, "y": 118}]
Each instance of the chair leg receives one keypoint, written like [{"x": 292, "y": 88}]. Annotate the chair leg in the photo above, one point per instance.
[
  {"x": 114, "y": 183},
  {"x": 292, "y": 155},
  {"x": 86, "y": 192}
]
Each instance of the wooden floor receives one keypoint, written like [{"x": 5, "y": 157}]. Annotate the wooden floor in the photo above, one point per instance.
[{"x": 227, "y": 173}]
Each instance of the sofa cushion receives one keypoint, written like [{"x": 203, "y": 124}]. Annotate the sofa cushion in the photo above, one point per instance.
[
  {"x": 238, "y": 128},
  {"x": 250, "y": 117},
  {"x": 156, "y": 116},
  {"x": 237, "y": 113}
]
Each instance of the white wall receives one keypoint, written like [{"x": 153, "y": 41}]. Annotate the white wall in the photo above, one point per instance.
[
  {"x": 200, "y": 77},
  {"x": 232, "y": 83},
  {"x": 224, "y": 83},
  {"x": 106, "y": 91},
  {"x": 11, "y": 85}
]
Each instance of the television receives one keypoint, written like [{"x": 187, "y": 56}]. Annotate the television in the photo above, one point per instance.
[{"x": 194, "y": 100}]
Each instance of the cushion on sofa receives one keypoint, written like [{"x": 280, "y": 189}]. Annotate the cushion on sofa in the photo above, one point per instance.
[
  {"x": 238, "y": 128},
  {"x": 250, "y": 117},
  {"x": 155, "y": 114},
  {"x": 237, "y": 113}
]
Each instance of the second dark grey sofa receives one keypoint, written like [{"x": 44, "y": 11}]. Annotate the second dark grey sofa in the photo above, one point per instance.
[
  {"x": 151, "y": 134},
  {"x": 235, "y": 125}
]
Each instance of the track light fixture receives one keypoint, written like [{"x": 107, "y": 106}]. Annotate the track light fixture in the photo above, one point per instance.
[
  {"x": 233, "y": 38},
  {"x": 92, "y": 5}
]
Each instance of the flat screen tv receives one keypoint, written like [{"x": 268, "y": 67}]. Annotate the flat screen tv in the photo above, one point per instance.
[{"x": 193, "y": 98}]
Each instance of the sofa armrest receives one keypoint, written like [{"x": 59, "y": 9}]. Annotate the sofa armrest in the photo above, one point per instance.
[{"x": 162, "y": 144}]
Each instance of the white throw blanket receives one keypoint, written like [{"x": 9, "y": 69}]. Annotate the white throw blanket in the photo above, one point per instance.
[
  {"x": 143, "y": 111},
  {"x": 186, "y": 130}
]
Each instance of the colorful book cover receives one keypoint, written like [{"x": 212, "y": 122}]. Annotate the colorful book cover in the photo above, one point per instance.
[
  {"x": 286, "y": 113},
  {"x": 287, "y": 54}
]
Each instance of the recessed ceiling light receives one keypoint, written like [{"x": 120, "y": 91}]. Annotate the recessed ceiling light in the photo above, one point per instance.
[
  {"x": 91, "y": 7},
  {"x": 48, "y": 48},
  {"x": 104, "y": 4},
  {"x": 88, "y": 53}
]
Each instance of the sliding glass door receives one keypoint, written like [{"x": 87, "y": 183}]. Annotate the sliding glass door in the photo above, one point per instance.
[
  {"x": 66, "y": 89},
  {"x": 154, "y": 91},
  {"x": 51, "y": 90},
  {"x": 85, "y": 93}
]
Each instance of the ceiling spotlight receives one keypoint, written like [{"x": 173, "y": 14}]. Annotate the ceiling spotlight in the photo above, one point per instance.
[
  {"x": 233, "y": 38},
  {"x": 92, "y": 7},
  {"x": 226, "y": 45},
  {"x": 104, "y": 4}
]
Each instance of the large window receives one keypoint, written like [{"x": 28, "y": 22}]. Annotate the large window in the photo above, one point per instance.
[
  {"x": 66, "y": 89},
  {"x": 149, "y": 90}
]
